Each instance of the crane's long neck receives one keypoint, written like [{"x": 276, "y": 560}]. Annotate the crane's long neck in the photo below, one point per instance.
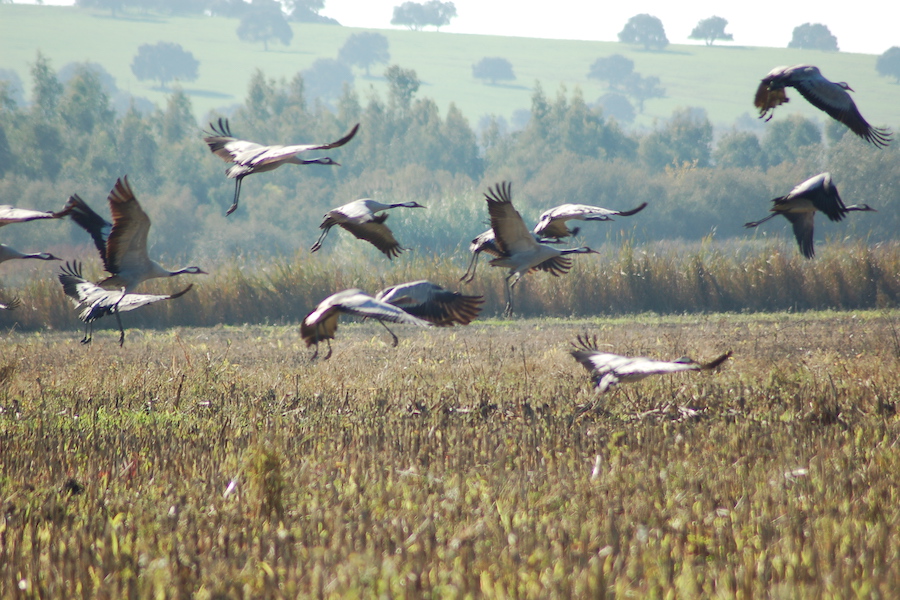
[{"x": 582, "y": 250}]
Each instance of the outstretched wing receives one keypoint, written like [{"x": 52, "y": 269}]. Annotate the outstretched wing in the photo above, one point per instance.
[
  {"x": 86, "y": 218},
  {"x": 376, "y": 233},
  {"x": 510, "y": 232},
  {"x": 836, "y": 101},
  {"x": 126, "y": 248},
  {"x": 433, "y": 303}
]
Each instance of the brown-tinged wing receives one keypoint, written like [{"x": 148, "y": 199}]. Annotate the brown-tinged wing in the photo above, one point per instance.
[
  {"x": 127, "y": 244},
  {"x": 376, "y": 233}
]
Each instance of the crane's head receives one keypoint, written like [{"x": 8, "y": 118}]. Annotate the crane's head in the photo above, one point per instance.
[
  {"x": 411, "y": 205},
  {"x": 320, "y": 161},
  {"x": 845, "y": 86},
  {"x": 190, "y": 271},
  {"x": 582, "y": 250}
]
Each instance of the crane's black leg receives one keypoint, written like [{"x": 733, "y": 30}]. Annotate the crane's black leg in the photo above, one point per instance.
[
  {"x": 121, "y": 330},
  {"x": 318, "y": 243},
  {"x": 509, "y": 303},
  {"x": 470, "y": 270},
  {"x": 88, "y": 333},
  {"x": 316, "y": 353},
  {"x": 761, "y": 221},
  {"x": 396, "y": 341},
  {"x": 327, "y": 356},
  {"x": 237, "y": 192}
]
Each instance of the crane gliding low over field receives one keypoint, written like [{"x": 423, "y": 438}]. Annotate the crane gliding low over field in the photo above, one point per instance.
[
  {"x": 608, "y": 370},
  {"x": 96, "y": 302},
  {"x": 322, "y": 322}
]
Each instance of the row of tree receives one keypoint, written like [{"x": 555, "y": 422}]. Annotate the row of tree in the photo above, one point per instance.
[{"x": 648, "y": 31}]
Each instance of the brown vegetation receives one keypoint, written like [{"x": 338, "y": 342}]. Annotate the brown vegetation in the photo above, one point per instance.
[
  {"x": 224, "y": 463},
  {"x": 663, "y": 278}
]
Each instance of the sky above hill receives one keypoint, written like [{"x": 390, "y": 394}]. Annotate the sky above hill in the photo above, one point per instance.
[{"x": 865, "y": 26}]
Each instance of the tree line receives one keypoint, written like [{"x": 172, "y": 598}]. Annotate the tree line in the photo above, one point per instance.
[{"x": 69, "y": 139}]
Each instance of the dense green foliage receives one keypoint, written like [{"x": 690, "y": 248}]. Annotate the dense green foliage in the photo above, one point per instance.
[
  {"x": 418, "y": 15},
  {"x": 165, "y": 62},
  {"x": 493, "y": 69},
  {"x": 711, "y": 29},
  {"x": 888, "y": 64},
  {"x": 813, "y": 36},
  {"x": 645, "y": 30},
  {"x": 69, "y": 141},
  {"x": 365, "y": 49}
]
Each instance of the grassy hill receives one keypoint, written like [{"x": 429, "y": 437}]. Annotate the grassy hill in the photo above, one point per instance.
[{"x": 720, "y": 79}]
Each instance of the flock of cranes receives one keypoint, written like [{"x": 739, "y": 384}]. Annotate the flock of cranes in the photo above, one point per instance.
[{"x": 122, "y": 243}]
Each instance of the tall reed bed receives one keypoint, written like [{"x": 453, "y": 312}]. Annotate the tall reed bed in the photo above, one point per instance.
[{"x": 663, "y": 278}]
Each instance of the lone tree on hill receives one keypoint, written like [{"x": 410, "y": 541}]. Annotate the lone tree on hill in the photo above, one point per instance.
[
  {"x": 365, "y": 49},
  {"x": 710, "y": 30},
  {"x": 643, "y": 88},
  {"x": 494, "y": 69},
  {"x": 325, "y": 79},
  {"x": 306, "y": 11},
  {"x": 888, "y": 64},
  {"x": 403, "y": 85},
  {"x": 164, "y": 61},
  {"x": 263, "y": 23},
  {"x": 614, "y": 69},
  {"x": 813, "y": 36},
  {"x": 417, "y": 16},
  {"x": 616, "y": 106},
  {"x": 646, "y": 30}
]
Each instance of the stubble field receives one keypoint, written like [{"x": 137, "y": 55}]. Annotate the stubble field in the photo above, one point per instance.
[{"x": 467, "y": 462}]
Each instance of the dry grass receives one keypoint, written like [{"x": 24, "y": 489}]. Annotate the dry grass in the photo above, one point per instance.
[
  {"x": 222, "y": 462},
  {"x": 663, "y": 278}
]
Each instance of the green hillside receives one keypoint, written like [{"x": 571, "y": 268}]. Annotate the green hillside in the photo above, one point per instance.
[{"x": 720, "y": 79}]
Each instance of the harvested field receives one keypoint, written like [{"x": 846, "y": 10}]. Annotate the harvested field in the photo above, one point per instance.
[{"x": 467, "y": 462}]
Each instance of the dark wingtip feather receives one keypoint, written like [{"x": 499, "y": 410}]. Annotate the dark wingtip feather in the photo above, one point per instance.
[{"x": 716, "y": 362}]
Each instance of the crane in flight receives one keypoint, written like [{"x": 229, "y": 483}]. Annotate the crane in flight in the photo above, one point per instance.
[
  {"x": 521, "y": 252},
  {"x": 122, "y": 244},
  {"x": 608, "y": 370},
  {"x": 552, "y": 223},
  {"x": 799, "y": 206},
  {"x": 322, "y": 322},
  {"x": 432, "y": 303},
  {"x": 361, "y": 218},
  {"x": 96, "y": 302},
  {"x": 249, "y": 157},
  {"x": 828, "y": 96}
]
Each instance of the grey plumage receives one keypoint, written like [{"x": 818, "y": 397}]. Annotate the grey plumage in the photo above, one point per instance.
[
  {"x": 321, "y": 323},
  {"x": 249, "y": 157},
  {"x": 122, "y": 244},
  {"x": 799, "y": 206},
  {"x": 362, "y": 219},
  {"x": 521, "y": 252},
  {"x": 825, "y": 95},
  {"x": 432, "y": 303},
  {"x": 95, "y": 302},
  {"x": 608, "y": 370}
]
